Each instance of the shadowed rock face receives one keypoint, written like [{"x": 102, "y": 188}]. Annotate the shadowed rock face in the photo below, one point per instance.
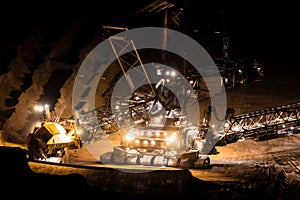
[{"x": 38, "y": 54}]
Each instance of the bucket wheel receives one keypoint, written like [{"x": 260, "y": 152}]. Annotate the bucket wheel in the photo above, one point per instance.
[{"x": 146, "y": 104}]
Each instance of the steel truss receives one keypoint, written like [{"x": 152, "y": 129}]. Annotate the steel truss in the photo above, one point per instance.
[{"x": 261, "y": 123}]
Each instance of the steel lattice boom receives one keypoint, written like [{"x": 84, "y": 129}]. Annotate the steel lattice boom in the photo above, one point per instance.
[{"x": 263, "y": 123}]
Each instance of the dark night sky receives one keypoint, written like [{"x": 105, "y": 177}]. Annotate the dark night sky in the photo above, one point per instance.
[{"x": 265, "y": 30}]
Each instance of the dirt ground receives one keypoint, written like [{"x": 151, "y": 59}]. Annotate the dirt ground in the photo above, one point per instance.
[{"x": 243, "y": 170}]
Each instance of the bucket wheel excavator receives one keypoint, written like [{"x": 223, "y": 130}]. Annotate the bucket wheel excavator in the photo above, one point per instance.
[
  {"x": 155, "y": 128},
  {"x": 157, "y": 132},
  {"x": 158, "y": 135}
]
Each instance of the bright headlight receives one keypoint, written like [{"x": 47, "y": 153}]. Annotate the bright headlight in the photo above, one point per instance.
[
  {"x": 157, "y": 133},
  {"x": 137, "y": 141},
  {"x": 226, "y": 125},
  {"x": 79, "y": 131},
  {"x": 171, "y": 139},
  {"x": 129, "y": 137},
  {"x": 237, "y": 128}
]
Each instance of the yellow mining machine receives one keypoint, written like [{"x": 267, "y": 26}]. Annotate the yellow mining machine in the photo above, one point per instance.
[{"x": 49, "y": 141}]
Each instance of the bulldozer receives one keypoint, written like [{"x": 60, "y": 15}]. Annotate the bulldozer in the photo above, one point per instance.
[{"x": 49, "y": 141}]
